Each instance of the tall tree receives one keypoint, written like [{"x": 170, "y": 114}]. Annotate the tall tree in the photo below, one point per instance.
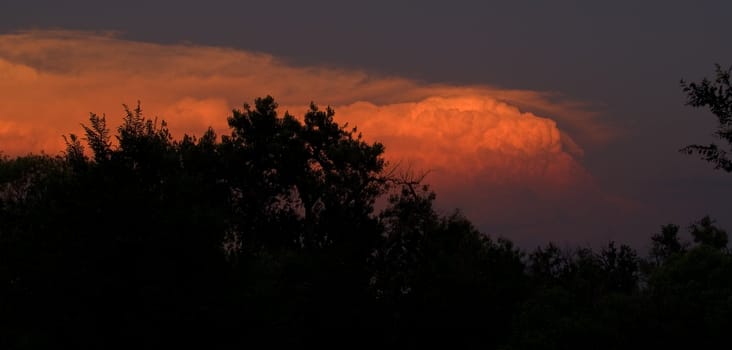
[
  {"x": 706, "y": 233},
  {"x": 666, "y": 243}
]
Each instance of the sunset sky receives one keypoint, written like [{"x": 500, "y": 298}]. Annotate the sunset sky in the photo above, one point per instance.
[{"x": 552, "y": 120}]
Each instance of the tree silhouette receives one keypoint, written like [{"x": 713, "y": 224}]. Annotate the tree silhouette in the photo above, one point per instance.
[
  {"x": 135, "y": 237},
  {"x": 716, "y": 95},
  {"x": 666, "y": 243},
  {"x": 440, "y": 272},
  {"x": 705, "y": 233}
]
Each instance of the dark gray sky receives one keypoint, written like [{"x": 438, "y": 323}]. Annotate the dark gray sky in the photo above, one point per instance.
[{"x": 625, "y": 58}]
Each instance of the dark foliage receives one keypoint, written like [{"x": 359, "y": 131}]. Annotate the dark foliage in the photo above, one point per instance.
[
  {"x": 271, "y": 233},
  {"x": 716, "y": 95}
]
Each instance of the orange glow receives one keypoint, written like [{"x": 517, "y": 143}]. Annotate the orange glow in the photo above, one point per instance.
[{"x": 468, "y": 136}]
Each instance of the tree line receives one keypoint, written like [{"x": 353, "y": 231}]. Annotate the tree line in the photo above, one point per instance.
[{"x": 271, "y": 232}]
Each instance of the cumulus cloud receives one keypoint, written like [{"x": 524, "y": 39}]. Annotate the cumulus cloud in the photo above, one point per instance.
[
  {"x": 483, "y": 145},
  {"x": 472, "y": 136}
]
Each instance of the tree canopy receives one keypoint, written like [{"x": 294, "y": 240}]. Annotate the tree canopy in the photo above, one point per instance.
[
  {"x": 272, "y": 232},
  {"x": 716, "y": 95}
]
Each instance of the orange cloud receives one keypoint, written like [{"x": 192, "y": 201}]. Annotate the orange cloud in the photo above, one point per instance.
[
  {"x": 468, "y": 136},
  {"x": 471, "y": 136}
]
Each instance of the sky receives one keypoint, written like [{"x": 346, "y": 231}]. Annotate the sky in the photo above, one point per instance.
[{"x": 540, "y": 120}]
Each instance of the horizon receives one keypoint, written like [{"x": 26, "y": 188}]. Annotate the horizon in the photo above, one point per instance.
[{"x": 607, "y": 115}]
